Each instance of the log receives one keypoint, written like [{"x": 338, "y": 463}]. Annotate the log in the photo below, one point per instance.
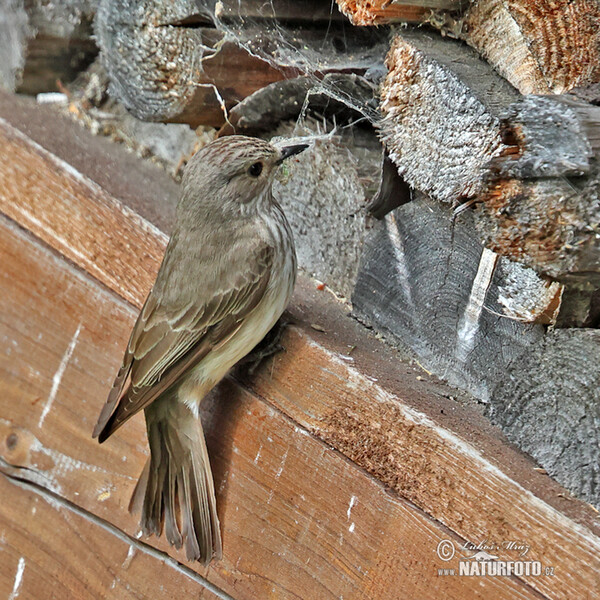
[
  {"x": 381, "y": 12},
  {"x": 340, "y": 97},
  {"x": 428, "y": 286},
  {"x": 167, "y": 62},
  {"x": 458, "y": 132},
  {"x": 164, "y": 68},
  {"x": 539, "y": 47},
  {"x": 300, "y": 519},
  {"x": 328, "y": 235},
  {"x": 558, "y": 381},
  {"x": 42, "y": 42},
  {"x": 418, "y": 284}
]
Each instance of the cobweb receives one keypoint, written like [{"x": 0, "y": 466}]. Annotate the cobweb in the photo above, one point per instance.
[{"x": 340, "y": 63}]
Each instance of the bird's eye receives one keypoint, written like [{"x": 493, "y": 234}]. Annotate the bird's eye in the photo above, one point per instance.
[{"x": 255, "y": 169}]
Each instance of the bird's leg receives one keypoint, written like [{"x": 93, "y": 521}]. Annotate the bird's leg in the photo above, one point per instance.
[{"x": 270, "y": 345}]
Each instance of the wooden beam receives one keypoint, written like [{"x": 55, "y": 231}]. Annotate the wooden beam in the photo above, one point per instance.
[
  {"x": 286, "y": 500},
  {"x": 457, "y": 131},
  {"x": 51, "y": 548},
  {"x": 290, "y": 525}
]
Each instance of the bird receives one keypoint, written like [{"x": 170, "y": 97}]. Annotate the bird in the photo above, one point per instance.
[{"x": 227, "y": 275}]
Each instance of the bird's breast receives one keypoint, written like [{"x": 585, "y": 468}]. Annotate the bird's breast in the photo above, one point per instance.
[{"x": 255, "y": 325}]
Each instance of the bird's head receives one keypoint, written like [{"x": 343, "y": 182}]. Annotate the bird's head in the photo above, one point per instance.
[{"x": 236, "y": 171}]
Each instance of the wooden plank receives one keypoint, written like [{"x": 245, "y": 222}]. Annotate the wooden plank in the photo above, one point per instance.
[
  {"x": 457, "y": 488},
  {"x": 71, "y": 213},
  {"x": 101, "y": 325},
  {"x": 49, "y": 550},
  {"x": 299, "y": 521}
]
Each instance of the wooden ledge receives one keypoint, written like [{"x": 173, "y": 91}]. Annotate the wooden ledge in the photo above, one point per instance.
[{"x": 339, "y": 468}]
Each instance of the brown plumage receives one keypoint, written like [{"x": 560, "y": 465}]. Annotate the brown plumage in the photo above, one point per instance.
[{"x": 226, "y": 277}]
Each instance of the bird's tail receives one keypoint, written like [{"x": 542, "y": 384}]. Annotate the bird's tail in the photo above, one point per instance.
[{"x": 176, "y": 484}]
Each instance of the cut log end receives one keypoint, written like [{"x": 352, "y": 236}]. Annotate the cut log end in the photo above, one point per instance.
[{"x": 527, "y": 42}]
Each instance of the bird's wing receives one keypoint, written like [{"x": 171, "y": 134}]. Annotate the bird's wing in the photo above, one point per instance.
[{"x": 167, "y": 339}]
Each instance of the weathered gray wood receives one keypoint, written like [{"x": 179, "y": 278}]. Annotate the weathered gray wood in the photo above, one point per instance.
[
  {"x": 323, "y": 192},
  {"x": 290, "y": 98},
  {"x": 457, "y": 131},
  {"x": 427, "y": 285},
  {"x": 417, "y": 284},
  {"x": 166, "y": 61},
  {"x": 163, "y": 67},
  {"x": 41, "y": 42},
  {"x": 308, "y": 11},
  {"x": 549, "y": 404},
  {"x": 441, "y": 106}
]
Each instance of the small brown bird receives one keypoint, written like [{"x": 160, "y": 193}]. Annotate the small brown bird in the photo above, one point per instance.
[{"x": 227, "y": 275}]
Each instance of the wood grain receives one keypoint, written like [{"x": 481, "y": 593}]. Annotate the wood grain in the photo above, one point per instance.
[
  {"x": 264, "y": 460},
  {"x": 458, "y": 132},
  {"x": 417, "y": 285},
  {"x": 286, "y": 499},
  {"x": 537, "y": 387},
  {"x": 381, "y": 12},
  {"x": 540, "y": 47},
  {"x": 291, "y": 528},
  {"x": 62, "y": 554},
  {"x": 74, "y": 215},
  {"x": 161, "y": 69}
]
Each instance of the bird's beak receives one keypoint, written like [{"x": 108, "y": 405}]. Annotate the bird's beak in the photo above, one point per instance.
[{"x": 288, "y": 151}]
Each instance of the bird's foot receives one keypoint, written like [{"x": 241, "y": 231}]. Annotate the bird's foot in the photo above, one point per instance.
[{"x": 270, "y": 345}]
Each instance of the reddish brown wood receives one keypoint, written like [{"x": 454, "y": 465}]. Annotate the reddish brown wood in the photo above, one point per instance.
[
  {"x": 291, "y": 528},
  {"x": 299, "y": 520},
  {"x": 49, "y": 551},
  {"x": 75, "y": 216},
  {"x": 540, "y": 47},
  {"x": 380, "y": 12}
]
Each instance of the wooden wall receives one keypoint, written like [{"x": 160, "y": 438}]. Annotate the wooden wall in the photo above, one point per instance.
[{"x": 339, "y": 468}]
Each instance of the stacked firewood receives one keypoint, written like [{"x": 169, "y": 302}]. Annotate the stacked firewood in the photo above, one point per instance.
[{"x": 475, "y": 134}]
